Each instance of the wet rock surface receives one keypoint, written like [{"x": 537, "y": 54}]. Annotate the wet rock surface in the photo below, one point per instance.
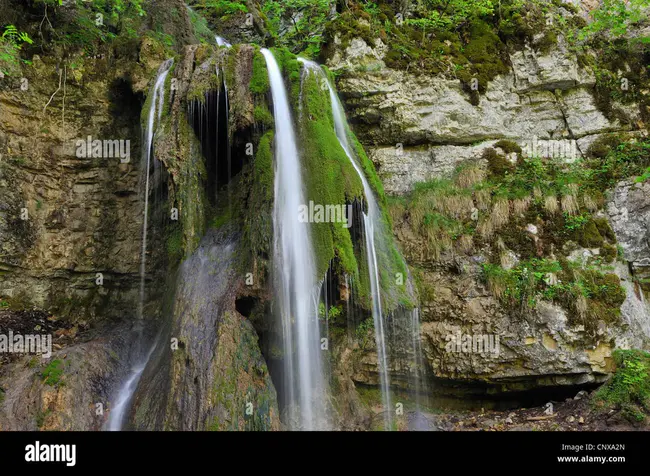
[{"x": 216, "y": 378}]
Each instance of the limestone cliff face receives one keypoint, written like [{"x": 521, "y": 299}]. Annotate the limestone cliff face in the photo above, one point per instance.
[
  {"x": 419, "y": 127},
  {"x": 68, "y": 213},
  {"x": 64, "y": 217}
]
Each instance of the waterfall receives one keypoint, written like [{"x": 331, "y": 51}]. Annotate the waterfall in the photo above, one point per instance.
[
  {"x": 372, "y": 222},
  {"x": 297, "y": 288},
  {"x": 118, "y": 411},
  {"x": 158, "y": 92},
  {"x": 420, "y": 423},
  {"x": 222, "y": 42}
]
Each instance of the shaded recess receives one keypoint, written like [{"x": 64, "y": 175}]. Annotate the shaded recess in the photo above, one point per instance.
[{"x": 223, "y": 160}]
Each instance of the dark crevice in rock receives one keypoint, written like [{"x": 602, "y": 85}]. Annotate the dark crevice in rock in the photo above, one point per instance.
[
  {"x": 476, "y": 395},
  {"x": 245, "y": 304},
  {"x": 561, "y": 107}
]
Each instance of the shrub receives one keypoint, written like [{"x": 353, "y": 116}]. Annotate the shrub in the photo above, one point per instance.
[{"x": 629, "y": 387}]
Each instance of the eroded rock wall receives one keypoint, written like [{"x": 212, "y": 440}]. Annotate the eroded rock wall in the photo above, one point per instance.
[{"x": 418, "y": 127}]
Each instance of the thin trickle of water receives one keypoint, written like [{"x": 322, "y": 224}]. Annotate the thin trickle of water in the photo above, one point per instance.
[
  {"x": 417, "y": 352},
  {"x": 125, "y": 394},
  {"x": 119, "y": 410},
  {"x": 158, "y": 91},
  {"x": 297, "y": 289},
  {"x": 222, "y": 77}
]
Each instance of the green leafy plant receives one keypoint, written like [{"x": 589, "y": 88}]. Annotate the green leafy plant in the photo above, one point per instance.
[
  {"x": 332, "y": 313},
  {"x": 363, "y": 331},
  {"x": 11, "y": 43},
  {"x": 302, "y": 23},
  {"x": 371, "y": 8},
  {"x": 445, "y": 14},
  {"x": 226, "y": 7},
  {"x": 615, "y": 17},
  {"x": 575, "y": 222},
  {"x": 91, "y": 24},
  {"x": 629, "y": 387},
  {"x": 53, "y": 373}
]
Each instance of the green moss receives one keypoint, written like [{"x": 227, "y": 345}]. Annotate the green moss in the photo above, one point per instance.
[
  {"x": 608, "y": 253},
  {"x": 606, "y": 288},
  {"x": 498, "y": 166},
  {"x": 602, "y": 146},
  {"x": 602, "y": 294},
  {"x": 347, "y": 27},
  {"x": 189, "y": 176},
  {"x": 41, "y": 416},
  {"x": 167, "y": 90},
  {"x": 290, "y": 67},
  {"x": 259, "y": 83},
  {"x": 258, "y": 223},
  {"x": 263, "y": 116},
  {"x": 588, "y": 236},
  {"x": 546, "y": 42},
  {"x": 612, "y": 58},
  {"x": 369, "y": 169},
  {"x": 330, "y": 178},
  {"x": 485, "y": 52},
  {"x": 225, "y": 216},
  {"x": 508, "y": 146},
  {"x": 230, "y": 394},
  {"x": 605, "y": 229},
  {"x": 175, "y": 244},
  {"x": 425, "y": 289},
  {"x": 264, "y": 167},
  {"x": 206, "y": 77}
]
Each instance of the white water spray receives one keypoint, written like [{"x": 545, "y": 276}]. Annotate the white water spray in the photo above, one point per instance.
[
  {"x": 294, "y": 271},
  {"x": 118, "y": 412},
  {"x": 222, "y": 42}
]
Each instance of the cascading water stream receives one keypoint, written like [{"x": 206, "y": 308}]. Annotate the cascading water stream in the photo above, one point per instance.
[
  {"x": 418, "y": 378},
  {"x": 297, "y": 289},
  {"x": 118, "y": 411},
  {"x": 158, "y": 92},
  {"x": 371, "y": 221}
]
